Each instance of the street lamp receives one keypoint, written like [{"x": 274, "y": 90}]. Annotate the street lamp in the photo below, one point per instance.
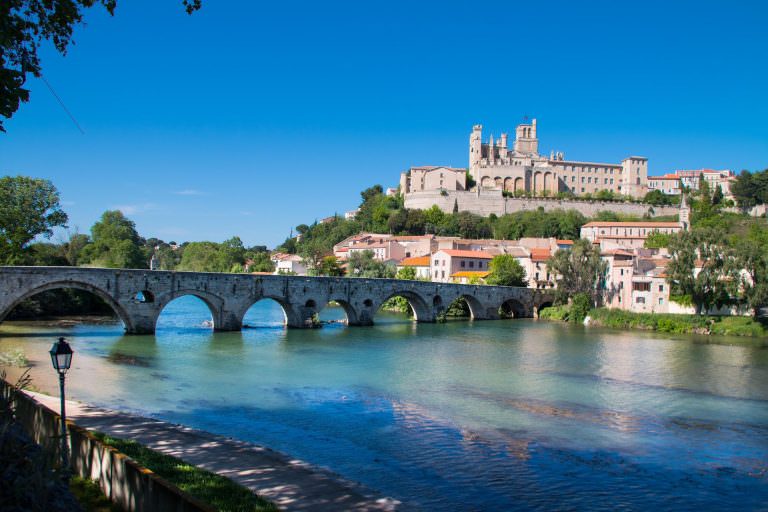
[{"x": 61, "y": 357}]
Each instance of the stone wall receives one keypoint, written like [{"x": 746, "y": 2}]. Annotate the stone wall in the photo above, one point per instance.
[
  {"x": 126, "y": 483},
  {"x": 487, "y": 202}
]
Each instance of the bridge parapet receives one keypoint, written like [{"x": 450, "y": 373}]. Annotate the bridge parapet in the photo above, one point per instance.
[{"x": 139, "y": 296}]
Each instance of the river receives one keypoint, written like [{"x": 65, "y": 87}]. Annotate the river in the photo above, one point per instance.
[{"x": 497, "y": 415}]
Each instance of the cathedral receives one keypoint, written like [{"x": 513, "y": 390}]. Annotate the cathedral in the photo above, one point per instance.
[{"x": 520, "y": 170}]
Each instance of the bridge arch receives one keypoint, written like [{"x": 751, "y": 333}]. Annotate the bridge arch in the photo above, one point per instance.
[
  {"x": 422, "y": 311},
  {"x": 290, "y": 318},
  {"x": 118, "y": 308},
  {"x": 214, "y": 302},
  {"x": 513, "y": 308}
]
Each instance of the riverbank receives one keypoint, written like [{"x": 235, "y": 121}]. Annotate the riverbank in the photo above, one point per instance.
[
  {"x": 663, "y": 322},
  {"x": 291, "y": 484}
]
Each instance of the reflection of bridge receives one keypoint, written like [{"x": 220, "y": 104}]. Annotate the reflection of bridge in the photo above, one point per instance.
[{"x": 139, "y": 296}]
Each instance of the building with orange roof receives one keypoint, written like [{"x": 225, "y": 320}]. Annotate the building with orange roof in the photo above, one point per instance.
[
  {"x": 419, "y": 263},
  {"x": 446, "y": 262}
]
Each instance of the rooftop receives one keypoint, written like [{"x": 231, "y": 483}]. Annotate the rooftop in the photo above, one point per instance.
[{"x": 458, "y": 253}]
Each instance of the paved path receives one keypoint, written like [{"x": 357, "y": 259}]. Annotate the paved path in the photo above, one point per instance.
[{"x": 290, "y": 484}]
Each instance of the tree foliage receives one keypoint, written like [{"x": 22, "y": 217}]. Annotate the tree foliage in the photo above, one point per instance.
[
  {"x": 25, "y": 25},
  {"x": 506, "y": 271},
  {"x": 702, "y": 267},
  {"x": 752, "y": 260},
  {"x": 29, "y": 207},
  {"x": 115, "y": 243},
  {"x": 363, "y": 264},
  {"x": 579, "y": 270},
  {"x": 750, "y": 189}
]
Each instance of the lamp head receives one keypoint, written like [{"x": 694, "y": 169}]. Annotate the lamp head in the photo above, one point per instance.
[{"x": 61, "y": 356}]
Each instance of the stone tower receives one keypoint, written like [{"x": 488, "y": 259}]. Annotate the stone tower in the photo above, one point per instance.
[
  {"x": 634, "y": 170},
  {"x": 526, "y": 141},
  {"x": 684, "y": 217},
  {"x": 475, "y": 145}
]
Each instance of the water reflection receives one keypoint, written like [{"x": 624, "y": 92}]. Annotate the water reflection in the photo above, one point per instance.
[{"x": 508, "y": 415}]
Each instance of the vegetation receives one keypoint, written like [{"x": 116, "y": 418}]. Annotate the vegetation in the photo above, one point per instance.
[
  {"x": 115, "y": 243},
  {"x": 29, "y": 207},
  {"x": 506, "y": 271},
  {"x": 27, "y": 480},
  {"x": 750, "y": 189},
  {"x": 90, "y": 497},
  {"x": 678, "y": 324},
  {"x": 580, "y": 270},
  {"x": 216, "y": 490},
  {"x": 363, "y": 264}
]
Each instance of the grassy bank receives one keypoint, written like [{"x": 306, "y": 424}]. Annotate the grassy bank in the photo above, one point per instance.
[
  {"x": 669, "y": 323},
  {"x": 216, "y": 490}
]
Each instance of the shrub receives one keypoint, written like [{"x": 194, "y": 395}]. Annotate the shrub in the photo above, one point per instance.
[{"x": 582, "y": 304}]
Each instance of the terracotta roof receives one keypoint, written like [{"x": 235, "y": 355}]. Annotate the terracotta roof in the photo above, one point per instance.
[
  {"x": 412, "y": 237},
  {"x": 470, "y": 273},
  {"x": 540, "y": 254},
  {"x": 564, "y": 242},
  {"x": 647, "y": 224},
  {"x": 416, "y": 261},
  {"x": 458, "y": 253},
  {"x": 616, "y": 252}
]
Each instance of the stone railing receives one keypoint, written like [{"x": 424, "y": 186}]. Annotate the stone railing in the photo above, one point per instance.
[{"x": 126, "y": 483}]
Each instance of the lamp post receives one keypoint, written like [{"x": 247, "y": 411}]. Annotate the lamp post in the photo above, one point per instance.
[{"x": 61, "y": 357}]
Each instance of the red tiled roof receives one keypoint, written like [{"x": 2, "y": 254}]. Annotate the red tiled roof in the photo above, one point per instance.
[
  {"x": 648, "y": 224},
  {"x": 458, "y": 253},
  {"x": 416, "y": 261},
  {"x": 564, "y": 242},
  {"x": 540, "y": 254}
]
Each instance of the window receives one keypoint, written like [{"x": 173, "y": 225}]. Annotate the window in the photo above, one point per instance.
[
  {"x": 641, "y": 287},
  {"x": 479, "y": 264},
  {"x": 661, "y": 300},
  {"x": 639, "y": 300},
  {"x": 661, "y": 287},
  {"x": 463, "y": 264},
  {"x": 435, "y": 274},
  {"x": 622, "y": 272},
  {"x": 573, "y": 179},
  {"x": 471, "y": 264},
  {"x": 443, "y": 276},
  {"x": 582, "y": 180},
  {"x": 437, "y": 262},
  {"x": 443, "y": 262}
]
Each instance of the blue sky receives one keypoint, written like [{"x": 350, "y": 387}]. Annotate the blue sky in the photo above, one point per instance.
[{"x": 249, "y": 118}]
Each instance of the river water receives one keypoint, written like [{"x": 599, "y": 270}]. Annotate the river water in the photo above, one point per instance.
[{"x": 503, "y": 415}]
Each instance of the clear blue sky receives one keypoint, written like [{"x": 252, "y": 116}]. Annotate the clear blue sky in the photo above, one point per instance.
[{"x": 249, "y": 118}]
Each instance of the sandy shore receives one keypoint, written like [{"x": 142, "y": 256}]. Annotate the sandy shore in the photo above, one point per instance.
[{"x": 291, "y": 484}]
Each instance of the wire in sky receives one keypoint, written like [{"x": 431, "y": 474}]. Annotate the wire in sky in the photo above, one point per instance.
[{"x": 62, "y": 104}]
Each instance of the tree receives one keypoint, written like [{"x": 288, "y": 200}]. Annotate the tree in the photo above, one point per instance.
[
  {"x": 702, "y": 267},
  {"x": 329, "y": 266},
  {"x": 29, "y": 207},
  {"x": 407, "y": 273},
  {"x": 201, "y": 257},
  {"x": 363, "y": 264},
  {"x": 752, "y": 259},
  {"x": 25, "y": 25},
  {"x": 579, "y": 270},
  {"x": 506, "y": 271},
  {"x": 260, "y": 262},
  {"x": 657, "y": 240},
  {"x": 115, "y": 243}
]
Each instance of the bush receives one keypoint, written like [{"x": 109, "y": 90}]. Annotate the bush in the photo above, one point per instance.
[{"x": 582, "y": 304}]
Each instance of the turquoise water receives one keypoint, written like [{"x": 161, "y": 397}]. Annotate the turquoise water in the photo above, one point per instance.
[{"x": 505, "y": 415}]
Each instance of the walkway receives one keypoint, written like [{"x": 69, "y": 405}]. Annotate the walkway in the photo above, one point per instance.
[{"x": 290, "y": 484}]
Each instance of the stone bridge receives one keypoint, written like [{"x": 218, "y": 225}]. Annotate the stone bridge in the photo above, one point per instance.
[{"x": 139, "y": 296}]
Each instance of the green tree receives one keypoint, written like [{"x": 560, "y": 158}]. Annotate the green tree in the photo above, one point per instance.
[
  {"x": 752, "y": 259},
  {"x": 407, "y": 273},
  {"x": 702, "y": 267},
  {"x": 657, "y": 240},
  {"x": 506, "y": 271},
  {"x": 29, "y": 207},
  {"x": 363, "y": 264},
  {"x": 579, "y": 270},
  {"x": 115, "y": 243},
  {"x": 329, "y": 266},
  {"x": 260, "y": 262},
  {"x": 201, "y": 257},
  {"x": 25, "y": 25}
]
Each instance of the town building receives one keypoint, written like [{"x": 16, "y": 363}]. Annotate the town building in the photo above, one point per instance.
[
  {"x": 446, "y": 262},
  {"x": 625, "y": 235},
  {"x": 288, "y": 264},
  {"x": 671, "y": 183},
  {"x": 419, "y": 263}
]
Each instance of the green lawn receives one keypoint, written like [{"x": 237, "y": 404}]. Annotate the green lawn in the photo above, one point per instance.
[{"x": 208, "y": 487}]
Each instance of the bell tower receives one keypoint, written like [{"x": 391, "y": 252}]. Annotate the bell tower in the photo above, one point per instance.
[{"x": 526, "y": 141}]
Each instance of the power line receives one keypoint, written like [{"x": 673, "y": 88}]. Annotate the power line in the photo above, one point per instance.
[{"x": 62, "y": 104}]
